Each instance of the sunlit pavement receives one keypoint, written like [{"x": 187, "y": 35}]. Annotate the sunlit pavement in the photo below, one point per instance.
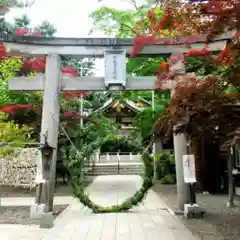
[{"x": 149, "y": 221}]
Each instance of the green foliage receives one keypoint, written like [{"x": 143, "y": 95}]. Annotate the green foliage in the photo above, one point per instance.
[
  {"x": 113, "y": 22},
  {"x": 142, "y": 66},
  {"x": 47, "y": 29},
  {"x": 20, "y": 22},
  {"x": 95, "y": 134},
  {"x": 99, "y": 127},
  {"x": 11, "y": 66},
  {"x": 8, "y": 69},
  {"x": 96, "y": 100},
  {"x": 113, "y": 143},
  {"x": 203, "y": 67},
  {"x": 144, "y": 121},
  {"x": 75, "y": 167},
  {"x": 83, "y": 66},
  {"x": 11, "y": 3},
  {"x": 12, "y": 133},
  {"x": 165, "y": 168},
  {"x": 96, "y": 126},
  {"x": 117, "y": 23},
  {"x": 168, "y": 179},
  {"x": 121, "y": 23}
]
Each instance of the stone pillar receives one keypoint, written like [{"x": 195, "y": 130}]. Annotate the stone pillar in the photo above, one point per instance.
[
  {"x": 130, "y": 157},
  {"x": 97, "y": 156},
  {"x": 177, "y": 66},
  {"x": 180, "y": 149},
  {"x": 49, "y": 133}
]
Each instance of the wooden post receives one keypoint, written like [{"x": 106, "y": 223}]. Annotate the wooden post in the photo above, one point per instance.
[
  {"x": 50, "y": 123},
  {"x": 230, "y": 202},
  {"x": 49, "y": 137}
]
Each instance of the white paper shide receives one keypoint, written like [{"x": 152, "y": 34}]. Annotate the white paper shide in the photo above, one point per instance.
[
  {"x": 39, "y": 175},
  {"x": 189, "y": 169}
]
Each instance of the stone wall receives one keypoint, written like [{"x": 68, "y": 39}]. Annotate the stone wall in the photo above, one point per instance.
[{"x": 20, "y": 168}]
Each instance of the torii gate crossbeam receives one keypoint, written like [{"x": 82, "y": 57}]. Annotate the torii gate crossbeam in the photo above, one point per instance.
[{"x": 95, "y": 47}]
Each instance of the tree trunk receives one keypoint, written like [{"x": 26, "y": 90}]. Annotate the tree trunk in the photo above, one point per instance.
[{"x": 230, "y": 202}]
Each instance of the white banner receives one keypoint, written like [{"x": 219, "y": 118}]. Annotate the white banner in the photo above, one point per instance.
[
  {"x": 39, "y": 174},
  {"x": 189, "y": 170}
]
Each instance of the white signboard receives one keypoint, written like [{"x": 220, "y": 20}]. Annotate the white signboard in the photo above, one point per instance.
[
  {"x": 115, "y": 67},
  {"x": 39, "y": 175},
  {"x": 189, "y": 170}
]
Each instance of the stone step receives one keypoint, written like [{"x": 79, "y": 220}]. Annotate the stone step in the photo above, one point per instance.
[
  {"x": 116, "y": 166},
  {"x": 115, "y": 169},
  {"x": 113, "y": 173},
  {"x": 120, "y": 170},
  {"x": 96, "y": 173}
]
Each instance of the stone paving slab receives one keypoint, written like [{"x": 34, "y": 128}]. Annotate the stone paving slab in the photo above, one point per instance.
[
  {"x": 27, "y": 201},
  {"x": 148, "y": 221},
  {"x": 21, "y": 232}
]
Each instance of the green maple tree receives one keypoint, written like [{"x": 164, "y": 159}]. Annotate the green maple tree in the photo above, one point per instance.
[{"x": 120, "y": 24}]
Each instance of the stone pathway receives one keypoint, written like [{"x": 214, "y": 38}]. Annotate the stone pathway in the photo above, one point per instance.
[
  {"x": 27, "y": 201},
  {"x": 21, "y": 232},
  {"x": 149, "y": 221}
]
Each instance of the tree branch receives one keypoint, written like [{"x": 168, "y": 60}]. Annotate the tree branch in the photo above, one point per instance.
[{"x": 134, "y": 4}]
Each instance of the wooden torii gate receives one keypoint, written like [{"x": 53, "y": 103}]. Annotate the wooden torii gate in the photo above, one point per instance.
[{"x": 52, "y": 82}]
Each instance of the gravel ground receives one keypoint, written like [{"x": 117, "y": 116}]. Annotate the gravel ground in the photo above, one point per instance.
[
  {"x": 21, "y": 215},
  {"x": 25, "y": 192},
  {"x": 219, "y": 223},
  {"x": 61, "y": 190}
]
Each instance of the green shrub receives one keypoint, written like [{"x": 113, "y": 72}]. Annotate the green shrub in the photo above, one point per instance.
[
  {"x": 13, "y": 133},
  {"x": 165, "y": 168},
  {"x": 168, "y": 179}
]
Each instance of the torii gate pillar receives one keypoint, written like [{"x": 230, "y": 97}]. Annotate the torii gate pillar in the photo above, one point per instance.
[
  {"x": 180, "y": 149},
  {"x": 179, "y": 140},
  {"x": 49, "y": 137}
]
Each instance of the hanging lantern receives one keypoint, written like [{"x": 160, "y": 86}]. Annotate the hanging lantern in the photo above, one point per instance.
[{"x": 46, "y": 150}]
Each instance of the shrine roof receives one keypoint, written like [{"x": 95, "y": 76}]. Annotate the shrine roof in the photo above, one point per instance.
[{"x": 128, "y": 103}]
